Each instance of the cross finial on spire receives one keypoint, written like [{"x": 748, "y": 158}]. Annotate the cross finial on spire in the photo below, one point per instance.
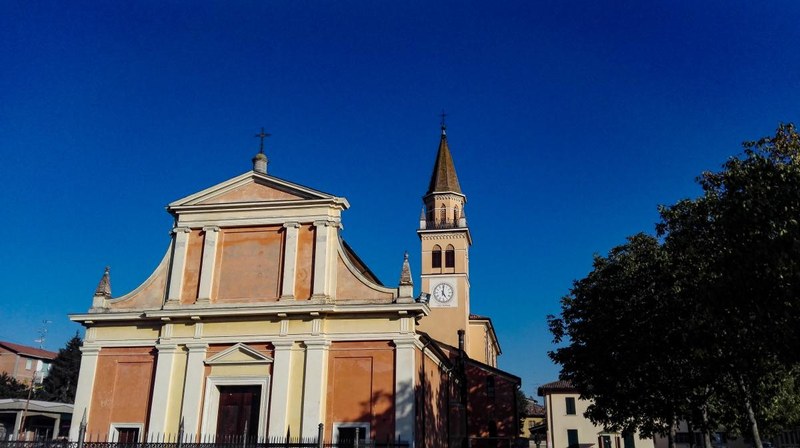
[
  {"x": 262, "y": 136},
  {"x": 444, "y": 125}
]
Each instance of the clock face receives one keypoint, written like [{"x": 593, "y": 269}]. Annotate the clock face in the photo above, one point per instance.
[{"x": 443, "y": 292}]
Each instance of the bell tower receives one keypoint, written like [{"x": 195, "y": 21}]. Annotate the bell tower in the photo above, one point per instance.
[{"x": 445, "y": 240}]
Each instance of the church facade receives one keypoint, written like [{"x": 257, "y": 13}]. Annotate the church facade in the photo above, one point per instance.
[{"x": 261, "y": 320}]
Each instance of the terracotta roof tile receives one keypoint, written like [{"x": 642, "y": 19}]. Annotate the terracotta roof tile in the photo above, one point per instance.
[
  {"x": 30, "y": 351},
  {"x": 444, "y": 178}
]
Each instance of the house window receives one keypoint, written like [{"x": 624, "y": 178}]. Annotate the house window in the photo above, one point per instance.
[
  {"x": 605, "y": 441},
  {"x": 28, "y": 364},
  {"x": 572, "y": 438},
  {"x": 628, "y": 440},
  {"x": 346, "y": 433},
  {"x": 450, "y": 257},
  {"x": 436, "y": 257},
  {"x": 570, "y": 402},
  {"x": 490, "y": 387}
]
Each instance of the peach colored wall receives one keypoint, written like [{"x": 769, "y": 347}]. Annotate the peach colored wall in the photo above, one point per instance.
[
  {"x": 194, "y": 257},
  {"x": 482, "y": 408},
  {"x": 348, "y": 287},
  {"x": 251, "y": 192},
  {"x": 432, "y": 403},
  {"x": 122, "y": 388},
  {"x": 305, "y": 263},
  {"x": 250, "y": 265},
  {"x": 361, "y": 386},
  {"x": 151, "y": 295},
  {"x": 10, "y": 360}
]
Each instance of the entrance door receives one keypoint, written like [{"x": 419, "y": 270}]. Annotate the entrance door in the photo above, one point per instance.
[{"x": 238, "y": 409}]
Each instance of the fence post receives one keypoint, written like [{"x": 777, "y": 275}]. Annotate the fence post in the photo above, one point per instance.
[
  {"x": 180, "y": 433},
  {"x": 244, "y": 436},
  {"x": 82, "y": 430},
  {"x": 358, "y": 436},
  {"x": 320, "y": 432}
]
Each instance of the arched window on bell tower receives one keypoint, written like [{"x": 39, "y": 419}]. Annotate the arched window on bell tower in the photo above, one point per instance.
[
  {"x": 455, "y": 214},
  {"x": 450, "y": 256},
  {"x": 443, "y": 215},
  {"x": 436, "y": 257}
]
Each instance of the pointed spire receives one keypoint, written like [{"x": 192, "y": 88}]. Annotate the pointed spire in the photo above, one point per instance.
[
  {"x": 405, "y": 273},
  {"x": 444, "y": 178},
  {"x": 104, "y": 287},
  {"x": 405, "y": 291}
]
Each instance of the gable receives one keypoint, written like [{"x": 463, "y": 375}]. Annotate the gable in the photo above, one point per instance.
[
  {"x": 251, "y": 187},
  {"x": 238, "y": 354},
  {"x": 252, "y": 192}
]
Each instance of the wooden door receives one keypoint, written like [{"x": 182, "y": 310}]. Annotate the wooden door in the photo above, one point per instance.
[{"x": 238, "y": 409}]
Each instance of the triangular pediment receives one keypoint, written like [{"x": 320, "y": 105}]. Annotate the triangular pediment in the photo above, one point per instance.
[
  {"x": 251, "y": 187},
  {"x": 238, "y": 354}
]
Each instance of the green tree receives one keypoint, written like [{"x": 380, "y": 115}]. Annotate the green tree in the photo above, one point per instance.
[
  {"x": 736, "y": 251},
  {"x": 62, "y": 381},
  {"x": 626, "y": 340},
  {"x": 11, "y": 388}
]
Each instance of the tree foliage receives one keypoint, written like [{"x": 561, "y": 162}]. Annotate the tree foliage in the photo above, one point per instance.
[
  {"x": 11, "y": 388},
  {"x": 701, "y": 327},
  {"x": 62, "y": 381}
]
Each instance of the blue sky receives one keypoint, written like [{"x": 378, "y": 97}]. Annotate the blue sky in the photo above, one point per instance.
[{"x": 569, "y": 122}]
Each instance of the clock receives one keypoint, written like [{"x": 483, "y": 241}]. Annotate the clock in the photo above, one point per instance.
[{"x": 443, "y": 293}]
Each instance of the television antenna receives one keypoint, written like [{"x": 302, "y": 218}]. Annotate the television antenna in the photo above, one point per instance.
[{"x": 42, "y": 333}]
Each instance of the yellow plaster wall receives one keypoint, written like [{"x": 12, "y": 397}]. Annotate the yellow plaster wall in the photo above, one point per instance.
[
  {"x": 297, "y": 373},
  {"x": 127, "y": 332},
  {"x": 300, "y": 326},
  {"x": 240, "y": 370},
  {"x": 476, "y": 349},
  {"x": 361, "y": 325},
  {"x": 180, "y": 330},
  {"x": 176, "y": 384},
  {"x": 241, "y": 328}
]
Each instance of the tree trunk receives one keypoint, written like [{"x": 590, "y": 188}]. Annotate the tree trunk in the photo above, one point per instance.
[
  {"x": 671, "y": 435},
  {"x": 751, "y": 415},
  {"x": 706, "y": 429}
]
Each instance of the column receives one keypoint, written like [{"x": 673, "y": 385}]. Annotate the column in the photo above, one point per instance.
[
  {"x": 321, "y": 255},
  {"x": 161, "y": 388},
  {"x": 315, "y": 382},
  {"x": 193, "y": 387},
  {"x": 83, "y": 392},
  {"x": 208, "y": 263},
  {"x": 404, "y": 390},
  {"x": 279, "y": 393},
  {"x": 289, "y": 260},
  {"x": 178, "y": 263}
]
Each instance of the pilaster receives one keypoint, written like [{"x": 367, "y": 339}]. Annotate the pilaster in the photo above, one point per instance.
[
  {"x": 314, "y": 386},
  {"x": 178, "y": 264},
  {"x": 193, "y": 387},
  {"x": 323, "y": 263},
  {"x": 83, "y": 393},
  {"x": 289, "y": 261},
  {"x": 404, "y": 390},
  {"x": 161, "y": 388},
  {"x": 279, "y": 400},
  {"x": 209, "y": 261}
]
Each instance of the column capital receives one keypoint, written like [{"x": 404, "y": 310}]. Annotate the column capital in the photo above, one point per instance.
[
  {"x": 167, "y": 348},
  {"x": 181, "y": 230},
  {"x": 404, "y": 343},
  {"x": 292, "y": 224},
  {"x": 318, "y": 344},
  {"x": 282, "y": 344},
  {"x": 197, "y": 346},
  {"x": 327, "y": 223},
  {"x": 90, "y": 350},
  {"x": 210, "y": 229}
]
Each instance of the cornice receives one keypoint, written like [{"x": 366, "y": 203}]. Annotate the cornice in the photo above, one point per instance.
[{"x": 281, "y": 311}]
